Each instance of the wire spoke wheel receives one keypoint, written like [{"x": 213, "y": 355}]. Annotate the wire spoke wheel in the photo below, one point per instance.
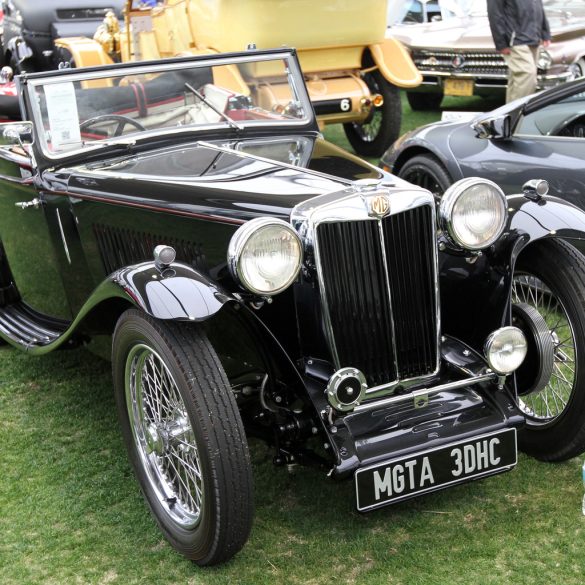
[
  {"x": 551, "y": 401},
  {"x": 381, "y": 127},
  {"x": 164, "y": 436},
  {"x": 548, "y": 296},
  {"x": 369, "y": 130},
  {"x": 184, "y": 435}
]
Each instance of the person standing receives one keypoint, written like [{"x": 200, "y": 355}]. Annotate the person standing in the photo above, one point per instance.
[{"x": 518, "y": 28}]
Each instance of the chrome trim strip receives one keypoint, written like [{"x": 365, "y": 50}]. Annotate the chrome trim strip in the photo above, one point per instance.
[
  {"x": 425, "y": 392},
  {"x": 389, "y": 293},
  {"x": 63, "y": 237}
]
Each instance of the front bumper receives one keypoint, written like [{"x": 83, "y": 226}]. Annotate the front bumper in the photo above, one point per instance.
[
  {"x": 463, "y": 402},
  {"x": 485, "y": 85},
  {"x": 365, "y": 438}
]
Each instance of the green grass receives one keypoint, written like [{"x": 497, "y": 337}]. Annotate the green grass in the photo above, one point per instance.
[{"x": 71, "y": 510}]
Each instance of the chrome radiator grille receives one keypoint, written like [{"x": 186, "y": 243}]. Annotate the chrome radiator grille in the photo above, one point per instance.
[
  {"x": 472, "y": 62},
  {"x": 379, "y": 288}
]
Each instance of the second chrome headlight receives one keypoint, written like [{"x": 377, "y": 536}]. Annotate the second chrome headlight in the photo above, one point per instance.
[
  {"x": 474, "y": 213},
  {"x": 265, "y": 255}
]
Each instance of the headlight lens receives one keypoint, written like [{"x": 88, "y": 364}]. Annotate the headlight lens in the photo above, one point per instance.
[
  {"x": 474, "y": 213},
  {"x": 544, "y": 59},
  {"x": 265, "y": 256},
  {"x": 505, "y": 350}
]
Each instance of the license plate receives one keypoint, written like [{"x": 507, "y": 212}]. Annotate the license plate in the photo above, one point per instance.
[
  {"x": 460, "y": 87},
  {"x": 405, "y": 477}
]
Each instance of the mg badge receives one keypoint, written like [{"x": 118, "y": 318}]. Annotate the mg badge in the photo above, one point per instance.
[{"x": 379, "y": 205}]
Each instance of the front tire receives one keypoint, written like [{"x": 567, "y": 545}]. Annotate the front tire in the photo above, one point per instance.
[
  {"x": 184, "y": 436},
  {"x": 550, "y": 277},
  {"x": 382, "y": 127},
  {"x": 426, "y": 171}
]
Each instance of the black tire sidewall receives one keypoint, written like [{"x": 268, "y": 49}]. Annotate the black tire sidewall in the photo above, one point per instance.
[
  {"x": 133, "y": 329},
  {"x": 564, "y": 436},
  {"x": 430, "y": 165}
]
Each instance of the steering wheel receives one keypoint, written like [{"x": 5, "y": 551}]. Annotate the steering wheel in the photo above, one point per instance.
[{"x": 121, "y": 122}]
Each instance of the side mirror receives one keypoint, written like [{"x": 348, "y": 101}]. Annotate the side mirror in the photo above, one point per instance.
[
  {"x": 16, "y": 134},
  {"x": 499, "y": 128}
]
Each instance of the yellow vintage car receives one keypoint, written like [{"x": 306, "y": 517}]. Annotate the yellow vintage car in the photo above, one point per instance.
[{"x": 352, "y": 72}]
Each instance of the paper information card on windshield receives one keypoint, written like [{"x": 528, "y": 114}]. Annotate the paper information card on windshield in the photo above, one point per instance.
[{"x": 63, "y": 115}]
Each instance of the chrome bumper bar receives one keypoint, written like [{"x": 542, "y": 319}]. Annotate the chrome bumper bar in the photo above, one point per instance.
[{"x": 421, "y": 395}]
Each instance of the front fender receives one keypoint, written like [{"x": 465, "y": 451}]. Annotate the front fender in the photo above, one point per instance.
[
  {"x": 395, "y": 64},
  {"x": 178, "y": 292},
  {"x": 549, "y": 217}
]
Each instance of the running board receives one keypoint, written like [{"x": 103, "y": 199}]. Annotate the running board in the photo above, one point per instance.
[{"x": 28, "y": 328}]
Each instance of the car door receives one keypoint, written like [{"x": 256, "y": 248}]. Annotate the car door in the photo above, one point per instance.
[
  {"x": 25, "y": 233},
  {"x": 548, "y": 142}
]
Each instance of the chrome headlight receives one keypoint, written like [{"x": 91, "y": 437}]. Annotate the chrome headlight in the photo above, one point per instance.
[
  {"x": 474, "y": 213},
  {"x": 505, "y": 350},
  {"x": 544, "y": 59},
  {"x": 265, "y": 255}
]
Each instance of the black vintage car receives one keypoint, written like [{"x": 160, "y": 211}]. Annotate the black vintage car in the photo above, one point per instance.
[{"x": 247, "y": 277}]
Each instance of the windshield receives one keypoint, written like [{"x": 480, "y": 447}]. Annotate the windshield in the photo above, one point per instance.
[{"x": 81, "y": 110}]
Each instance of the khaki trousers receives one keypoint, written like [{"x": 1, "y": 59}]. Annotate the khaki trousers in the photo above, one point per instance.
[{"x": 522, "y": 71}]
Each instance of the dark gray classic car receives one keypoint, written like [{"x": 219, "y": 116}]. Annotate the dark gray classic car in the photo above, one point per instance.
[
  {"x": 539, "y": 136},
  {"x": 247, "y": 277}
]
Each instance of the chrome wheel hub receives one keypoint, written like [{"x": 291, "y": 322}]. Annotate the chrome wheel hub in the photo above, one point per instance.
[
  {"x": 163, "y": 436},
  {"x": 551, "y": 400}
]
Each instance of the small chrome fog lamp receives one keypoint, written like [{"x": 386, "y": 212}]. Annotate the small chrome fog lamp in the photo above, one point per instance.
[
  {"x": 505, "y": 350},
  {"x": 474, "y": 213},
  {"x": 265, "y": 255}
]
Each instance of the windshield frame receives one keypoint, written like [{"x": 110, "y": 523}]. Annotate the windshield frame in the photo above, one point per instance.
[{"x": 28, "y": 84}]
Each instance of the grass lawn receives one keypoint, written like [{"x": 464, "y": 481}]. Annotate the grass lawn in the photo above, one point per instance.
[{"x": 71, "y": 510}]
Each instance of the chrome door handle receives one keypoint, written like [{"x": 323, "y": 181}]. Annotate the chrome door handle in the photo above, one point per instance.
[{"x": 36, "y": 203}]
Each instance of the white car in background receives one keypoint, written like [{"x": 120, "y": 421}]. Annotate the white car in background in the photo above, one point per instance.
[{"x": 451, "y": 45}]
